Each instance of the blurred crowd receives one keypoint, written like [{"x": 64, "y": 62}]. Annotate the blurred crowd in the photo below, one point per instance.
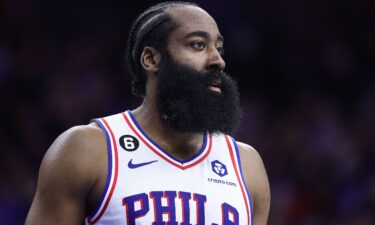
[{"x": 305, "y": 72}]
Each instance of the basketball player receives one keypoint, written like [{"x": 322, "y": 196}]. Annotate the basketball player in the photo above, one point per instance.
[{"x": 169, "y": 161}]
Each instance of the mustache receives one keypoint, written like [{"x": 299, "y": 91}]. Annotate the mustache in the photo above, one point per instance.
[
  {"x": 214, "y": 75},
  {"x": 219, "y": 79}
]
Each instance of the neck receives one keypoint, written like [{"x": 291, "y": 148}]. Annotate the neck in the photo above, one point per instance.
[{"x": 180, "y": 145}]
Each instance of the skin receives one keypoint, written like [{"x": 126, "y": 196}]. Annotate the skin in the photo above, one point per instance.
[{"x": 73, "y": 173}]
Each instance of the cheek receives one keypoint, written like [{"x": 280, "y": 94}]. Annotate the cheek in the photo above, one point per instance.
[
  {"x": 196, "y": 63},
  {"x": 196, "y": 60}
]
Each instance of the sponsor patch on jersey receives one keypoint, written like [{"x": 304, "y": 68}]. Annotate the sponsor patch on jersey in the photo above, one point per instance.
[
  {"x": 129, "y": 143},
  {"x": 219, "y": 168},
  {"x": 220, "y": 181}
]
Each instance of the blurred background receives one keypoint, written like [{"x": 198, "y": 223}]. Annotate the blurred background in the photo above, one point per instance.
[{"x": 305, "y": 71}]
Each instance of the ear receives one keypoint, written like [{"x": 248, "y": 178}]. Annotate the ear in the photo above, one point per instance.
[{"x": 150, "y": 59}]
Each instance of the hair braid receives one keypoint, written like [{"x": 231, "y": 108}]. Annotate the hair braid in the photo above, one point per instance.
[{"x": 143, "y": 33}]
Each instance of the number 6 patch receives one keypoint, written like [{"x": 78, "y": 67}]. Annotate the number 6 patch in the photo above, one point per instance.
[{"x": 129, "y": 143}]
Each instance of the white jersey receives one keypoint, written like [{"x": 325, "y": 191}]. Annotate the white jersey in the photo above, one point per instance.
[{"x": 146, "y": 185}]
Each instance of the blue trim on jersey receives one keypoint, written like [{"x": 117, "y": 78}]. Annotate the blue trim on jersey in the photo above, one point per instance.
[
  {"x": 109, "y": 149},
  {"x": 243, "y": 180},
  {"x": 156, "y": 145}
]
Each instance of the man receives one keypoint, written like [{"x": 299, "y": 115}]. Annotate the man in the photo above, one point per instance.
[{"x": 169, "y": 161}]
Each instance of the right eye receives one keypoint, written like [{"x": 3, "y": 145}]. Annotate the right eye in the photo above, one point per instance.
[{"x": 199, "y": 45}]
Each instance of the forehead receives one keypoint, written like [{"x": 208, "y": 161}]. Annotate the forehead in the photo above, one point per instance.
[{"x": 191, "y": 19}]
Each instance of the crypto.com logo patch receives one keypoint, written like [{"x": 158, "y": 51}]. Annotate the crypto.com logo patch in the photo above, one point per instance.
[{"x": 219, "y": 168}]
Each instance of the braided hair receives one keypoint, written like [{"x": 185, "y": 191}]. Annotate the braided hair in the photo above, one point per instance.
[{"x": 151, "y": 28}]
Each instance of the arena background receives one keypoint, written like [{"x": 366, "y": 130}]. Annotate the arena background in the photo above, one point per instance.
[{"x": 305, "y": 70}]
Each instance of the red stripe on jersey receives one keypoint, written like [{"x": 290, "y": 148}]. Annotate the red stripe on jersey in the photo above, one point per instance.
[
  {"x": 238, "y": 178},
  {"x": 113, "y": 184}
]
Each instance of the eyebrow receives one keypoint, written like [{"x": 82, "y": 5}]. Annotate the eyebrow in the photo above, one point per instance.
[{"x": 203, "y": 34}]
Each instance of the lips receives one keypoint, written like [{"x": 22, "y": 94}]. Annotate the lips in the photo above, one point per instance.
[{"x": 215, "y": 85}]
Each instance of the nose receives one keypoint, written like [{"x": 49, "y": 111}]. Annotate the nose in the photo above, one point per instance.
[{"x": 215, "y": 61}]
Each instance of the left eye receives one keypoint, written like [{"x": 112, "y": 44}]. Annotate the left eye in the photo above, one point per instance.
[{"x": 221, "y": 51}]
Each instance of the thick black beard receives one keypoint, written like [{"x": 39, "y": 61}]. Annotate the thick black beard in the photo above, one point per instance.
[{"x": 186, "y": 103}]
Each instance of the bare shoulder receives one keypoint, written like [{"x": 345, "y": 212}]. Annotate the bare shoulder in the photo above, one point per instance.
[
  {"x": 79, "y": 151},
  {"x": 75, "y": 147},
  {"x": 248, "y": 152},
  {"x": 256, "y": 178},
  {"x": 252, "y": 166},
  {"x": 71, "y": 168},
  {"x": 77, "y": 141}
]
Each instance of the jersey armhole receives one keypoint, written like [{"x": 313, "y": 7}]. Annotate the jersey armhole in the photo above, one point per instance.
[
  {"x": 95, "y": 215},
  {"x": 239, "y": 164}
]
